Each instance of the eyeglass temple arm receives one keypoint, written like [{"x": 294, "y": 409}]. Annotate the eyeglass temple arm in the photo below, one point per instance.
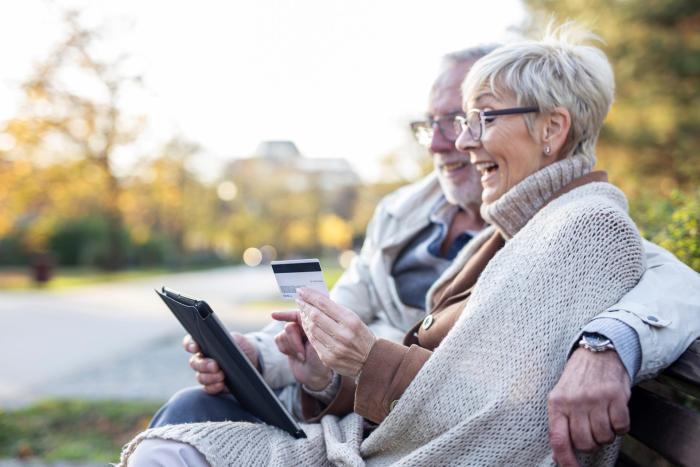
[{"x": 519, "y": 110}]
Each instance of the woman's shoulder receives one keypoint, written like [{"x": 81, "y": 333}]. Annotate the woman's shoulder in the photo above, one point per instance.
[
  {"x": 589, "y": 223},
  {"x": 591, "y": 199},
  {"x": 595, "y": 210}
]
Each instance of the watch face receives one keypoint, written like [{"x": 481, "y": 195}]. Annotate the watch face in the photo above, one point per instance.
[{"x": 596, "y": 340}]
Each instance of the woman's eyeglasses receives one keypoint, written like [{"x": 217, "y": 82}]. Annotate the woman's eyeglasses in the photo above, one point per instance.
[{"x": 475, "y": 120}]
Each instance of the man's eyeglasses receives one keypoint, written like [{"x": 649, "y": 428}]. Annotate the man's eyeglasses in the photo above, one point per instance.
[
  {"x": 475, "y": 120},
  {"x": 423, "y": 130}
]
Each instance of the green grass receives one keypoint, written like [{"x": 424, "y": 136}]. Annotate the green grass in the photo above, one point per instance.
[
  {"x": 72, "y": 429},
  {"x": 19, "y": 279}
]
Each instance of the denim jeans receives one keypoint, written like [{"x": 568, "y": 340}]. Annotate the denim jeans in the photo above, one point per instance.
[{"x": 192, "y": 405}]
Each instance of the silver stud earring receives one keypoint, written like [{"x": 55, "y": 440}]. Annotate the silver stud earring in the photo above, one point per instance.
[{"x": 547, "y": 150}]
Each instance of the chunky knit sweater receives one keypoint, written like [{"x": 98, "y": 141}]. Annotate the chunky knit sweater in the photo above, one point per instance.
[{"x": 481, "y": 398}]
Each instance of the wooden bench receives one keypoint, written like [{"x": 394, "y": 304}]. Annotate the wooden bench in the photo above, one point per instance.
[{"x": 665, "y": 416}]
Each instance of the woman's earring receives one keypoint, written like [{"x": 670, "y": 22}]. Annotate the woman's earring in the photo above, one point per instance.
[{"x": 547, "y": 150}]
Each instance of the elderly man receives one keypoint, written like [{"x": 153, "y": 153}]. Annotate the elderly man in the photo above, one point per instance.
[{"x": 413, "y": 237}]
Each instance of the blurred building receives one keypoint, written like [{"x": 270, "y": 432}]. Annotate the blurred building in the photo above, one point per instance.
[{"x": 277, "y": 167}]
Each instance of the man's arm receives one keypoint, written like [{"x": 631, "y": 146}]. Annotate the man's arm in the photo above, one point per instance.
[
  {"x": 663, "y": 309},
  {"x": 650, "y": 328}
]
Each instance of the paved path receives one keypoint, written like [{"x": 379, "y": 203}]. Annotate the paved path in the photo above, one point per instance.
[{"x": 114, "y": 340}]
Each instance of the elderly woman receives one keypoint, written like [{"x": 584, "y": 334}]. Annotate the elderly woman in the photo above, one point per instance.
[{"x": 470, "y": 385}]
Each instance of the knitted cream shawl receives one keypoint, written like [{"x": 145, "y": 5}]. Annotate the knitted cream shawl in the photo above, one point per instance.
[{"x": 481, "y": 398}]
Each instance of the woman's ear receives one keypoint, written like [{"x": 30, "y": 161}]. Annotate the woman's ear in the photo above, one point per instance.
[{"x": 555, "y": 131}]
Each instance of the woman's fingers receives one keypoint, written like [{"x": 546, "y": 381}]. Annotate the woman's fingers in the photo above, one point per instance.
[
  {"x": 323, "y": 303},
  {"x": 294, "y": 336},
  {"x": 339, "y": 336},
  {"x": 289, "y": 341},
  {"x": 317, "y": 335},
  {"x": 320, "y": 319},
  {"x": 288, "y": 315},
  {"x": 282, "y": 343}
]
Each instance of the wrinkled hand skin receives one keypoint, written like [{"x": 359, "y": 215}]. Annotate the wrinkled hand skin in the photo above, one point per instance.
[
  {"x": 341, "y": 339},
  {"x": 588, "y": 406},
  {"x": 208, "y": 373},
  {"x": 304, "y": 362}
]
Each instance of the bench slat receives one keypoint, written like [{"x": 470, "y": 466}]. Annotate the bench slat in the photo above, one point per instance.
[
  {"x": 687, "y": 367},
  {"x": 668, "y": 428}
]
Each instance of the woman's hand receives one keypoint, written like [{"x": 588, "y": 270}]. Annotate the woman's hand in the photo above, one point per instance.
[
  {"x": 339, "y": 336},
  {"x": 303, "y": 359}
]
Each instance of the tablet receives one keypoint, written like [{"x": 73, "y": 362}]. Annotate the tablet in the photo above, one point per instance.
[{"x": 241, "y": 377}]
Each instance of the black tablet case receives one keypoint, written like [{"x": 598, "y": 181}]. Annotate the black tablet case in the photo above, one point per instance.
[{"x": 242, "y": 379}]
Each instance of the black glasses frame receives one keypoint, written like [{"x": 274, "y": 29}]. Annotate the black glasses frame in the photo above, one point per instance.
[{"x": 461, "y": 122}]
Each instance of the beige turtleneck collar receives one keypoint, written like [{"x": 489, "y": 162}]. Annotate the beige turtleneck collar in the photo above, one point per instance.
[{"x": 518, "y": 205}]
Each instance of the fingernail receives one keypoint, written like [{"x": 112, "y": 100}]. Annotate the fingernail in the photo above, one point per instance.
[
  {"x": 190, "y": 346},
  {"x": 210, "y": 366},
  {"x": 300, "y": 356}
]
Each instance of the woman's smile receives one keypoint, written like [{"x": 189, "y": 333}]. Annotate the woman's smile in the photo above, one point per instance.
[{"x": 488, "y": 171}]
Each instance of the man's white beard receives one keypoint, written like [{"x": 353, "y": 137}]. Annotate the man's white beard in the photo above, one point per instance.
[{"x": 462, "y": 195}]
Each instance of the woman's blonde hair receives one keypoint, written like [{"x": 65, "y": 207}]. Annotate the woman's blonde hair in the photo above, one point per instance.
[{"x": 560, "y": 70}]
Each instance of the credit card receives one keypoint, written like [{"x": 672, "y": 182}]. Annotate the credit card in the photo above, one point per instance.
[{"x": 297, "y": 273}]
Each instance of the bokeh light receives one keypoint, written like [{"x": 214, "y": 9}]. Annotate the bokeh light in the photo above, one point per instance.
[
  {"x": 227, "y": 191},
  {"x": 252, "y": 256}
]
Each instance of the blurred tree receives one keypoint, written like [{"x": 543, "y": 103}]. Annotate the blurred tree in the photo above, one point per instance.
[
  {"x": 335, "y": 232},
  {"x": 65, "y": 139},
  {"x": 653, "y": 130},
  {"x": 164, "y": 197}
]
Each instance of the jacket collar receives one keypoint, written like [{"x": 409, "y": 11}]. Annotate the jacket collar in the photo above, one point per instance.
[{"x": 411, "y": 199}]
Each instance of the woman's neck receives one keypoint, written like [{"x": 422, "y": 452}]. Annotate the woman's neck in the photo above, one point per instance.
[{"x": 518, "y": 205}]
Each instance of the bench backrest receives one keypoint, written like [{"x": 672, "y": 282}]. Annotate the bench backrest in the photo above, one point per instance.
[{"x": 665, "y": 415}]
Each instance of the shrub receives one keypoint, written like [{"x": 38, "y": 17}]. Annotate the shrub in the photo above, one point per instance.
[
  {"x": 673, "y": 223},
  {"x": 682, "y": 234}
]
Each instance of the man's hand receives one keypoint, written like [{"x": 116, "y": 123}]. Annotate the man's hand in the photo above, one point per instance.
[
  {"x": 303, "y": 359},
  {"x": 588, "y": 406},
  {"x": 209, "y": 375}
]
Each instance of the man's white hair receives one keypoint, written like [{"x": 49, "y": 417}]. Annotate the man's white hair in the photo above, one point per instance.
[{"x": 561, "y": 70}]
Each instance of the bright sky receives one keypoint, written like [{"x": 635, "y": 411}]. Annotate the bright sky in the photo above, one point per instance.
[{"x": 341, "y": 78}]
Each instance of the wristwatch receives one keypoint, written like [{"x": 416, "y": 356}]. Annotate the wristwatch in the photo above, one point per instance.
[{"x": 595, "y": 342}]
